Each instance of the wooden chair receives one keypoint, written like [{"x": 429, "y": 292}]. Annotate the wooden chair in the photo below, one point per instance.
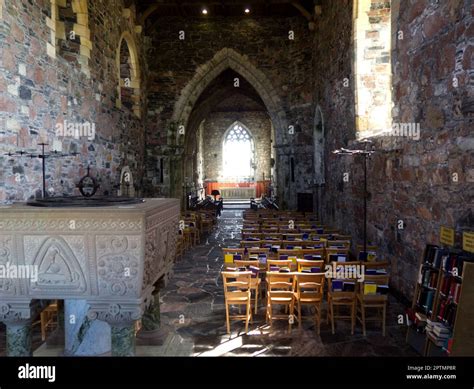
[
  {"x": 250, "y": 243},
  {"x": 48, "y": 318},
  {"x": 232, "y": 251},
  {"x": 280, "y": 291},
  {"x": 279, "y": 263},
  {"x": 255, "y": 280},
  {"x": 310, "y": 291},
  {"x": 337, "y": 299},
  {"x": 179, "y": 246},
  {"x": 304, "y": 264},
  {"x": 372, "y": 301},
  {"x": 370, "y": 249},
  {"x": 237, "y": 292},
  {"x": 377, "y": 266},
  {"x": 336, "y": 251},
  {"x": 339, "y": 244},
  {"x": 257, "y": 235}
]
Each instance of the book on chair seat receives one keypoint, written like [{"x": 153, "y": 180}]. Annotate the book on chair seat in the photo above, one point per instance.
[
  {"x": 255, "y": 270},
  {"x": 337, "y": 285},
  {"x": 370, "y": 288},
  {"x": 348, "y": 286},
  {"x": 382, "y": 289}
]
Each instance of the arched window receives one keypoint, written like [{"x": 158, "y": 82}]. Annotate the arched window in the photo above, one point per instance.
[
  {"x": 372, "y": 67},
  {"x": 129, "y": 75},
  {"x": 238, "y": 154}
]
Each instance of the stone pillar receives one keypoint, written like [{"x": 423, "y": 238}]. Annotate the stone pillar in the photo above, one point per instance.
[
  {"x": 151, "y": 332},
  {"x": 121, "y": 318},
  {"x": 17, "y": 316},
  {"x": 84, "y": 337}
]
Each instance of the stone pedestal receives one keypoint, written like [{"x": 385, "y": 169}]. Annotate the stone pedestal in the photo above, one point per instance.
[
  {"x": 103, "y": 261},
  {"x": 83, "y": 336},
  {"x": 122, "y": 319},
  {"x": 19, "y": 339},
  {"x": 123, "y": 340},
  {"x": 151, "y": 333},
  {"x": 17, "y": 316}
]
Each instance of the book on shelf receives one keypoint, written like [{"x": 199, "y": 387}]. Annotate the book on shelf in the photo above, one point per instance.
[{"x": 421, "y": 318}]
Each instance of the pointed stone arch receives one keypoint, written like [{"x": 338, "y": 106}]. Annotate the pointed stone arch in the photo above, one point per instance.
[{"x": 206, "y": 73}]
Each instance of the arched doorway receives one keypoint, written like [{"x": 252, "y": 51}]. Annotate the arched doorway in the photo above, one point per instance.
[{"x": 182, "y": 119}]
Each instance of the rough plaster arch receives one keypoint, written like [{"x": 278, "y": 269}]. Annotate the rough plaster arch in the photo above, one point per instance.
[
  {"x": 135, "y": 83},
  {"x": 206, "y": 73}
]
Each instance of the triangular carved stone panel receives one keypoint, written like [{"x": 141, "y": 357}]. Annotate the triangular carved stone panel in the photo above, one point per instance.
[{"x": 58, "y": 268}]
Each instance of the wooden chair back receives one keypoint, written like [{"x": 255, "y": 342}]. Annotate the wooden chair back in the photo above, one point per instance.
[
  {"x": 236, "y": 283},
  {"x": 304, "y": 264},
  {"x": 280, "y": 263}
]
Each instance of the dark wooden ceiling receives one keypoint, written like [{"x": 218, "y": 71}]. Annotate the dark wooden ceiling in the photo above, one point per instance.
[{"x": 221, "y": 8}]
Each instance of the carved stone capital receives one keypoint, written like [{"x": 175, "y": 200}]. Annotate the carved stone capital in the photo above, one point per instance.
[
  {"x": 16, "y": 312},
  {"x": 116, "y": 314}
]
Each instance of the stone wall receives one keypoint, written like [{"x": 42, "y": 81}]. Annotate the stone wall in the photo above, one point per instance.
[
  {"x": 217, "y": 124},
  {"x": 424, "y": 183},
  {"x": 261, "y": 51},
  {"x": 45, "y": 82}
]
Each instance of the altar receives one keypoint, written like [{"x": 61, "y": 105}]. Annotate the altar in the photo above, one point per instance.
[{"x": 102, "y": 261}]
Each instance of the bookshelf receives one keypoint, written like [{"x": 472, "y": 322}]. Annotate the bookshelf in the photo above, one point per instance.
[{"x": 442, "y": 317}]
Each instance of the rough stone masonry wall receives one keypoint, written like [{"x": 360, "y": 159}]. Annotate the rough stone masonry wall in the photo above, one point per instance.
[
  {"x": 37, "y": 91},
  {"x": 217, "y": 124},
  {"x": 287, "y": 64},
  {"x": 410, "y": 181}
]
